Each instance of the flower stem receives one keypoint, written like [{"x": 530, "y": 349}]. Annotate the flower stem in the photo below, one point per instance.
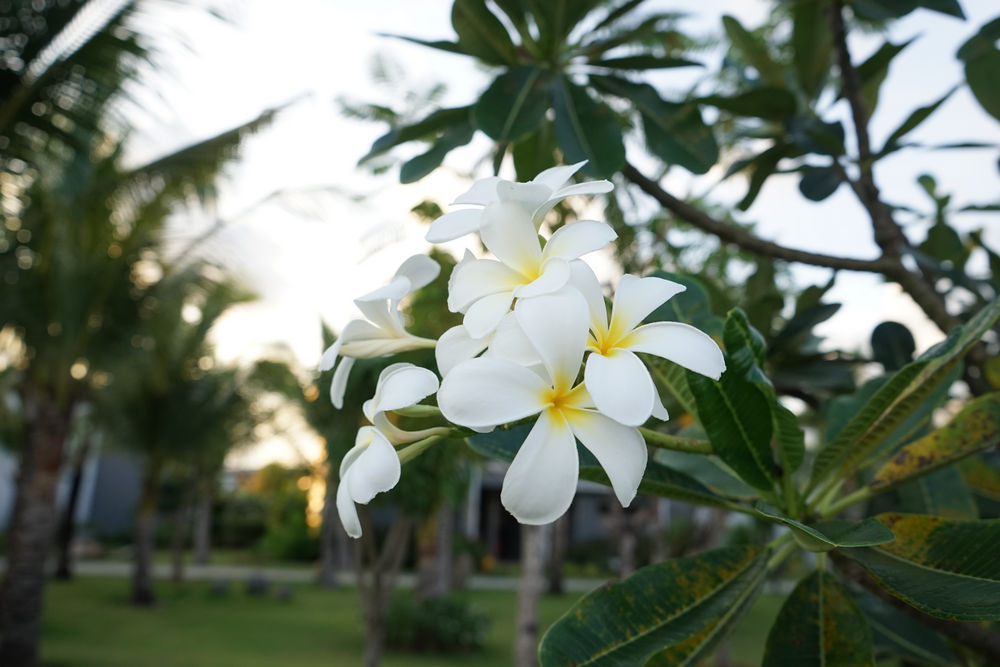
[
  {"x": 864, "y": 493},
  {"x": 678, "y": 444},
  {"x": 419, "y": 411},
  {"x": 416, "y": 449}
]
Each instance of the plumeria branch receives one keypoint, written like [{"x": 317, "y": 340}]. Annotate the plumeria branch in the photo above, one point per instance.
[{"x": 675, "y": 443}]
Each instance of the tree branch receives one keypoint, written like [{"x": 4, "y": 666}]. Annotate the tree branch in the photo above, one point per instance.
[
  {"x": 731, "y": 234},
  {"x": 971, "y": 635}
]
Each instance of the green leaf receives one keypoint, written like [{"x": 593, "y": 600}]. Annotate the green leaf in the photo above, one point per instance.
[
  {"x": 948, "y": 569},
  {"x": 709, "y": 471},
  {"x": 587, "y": 130},
  {"x": 764, "y": 165},
  {"x": 557, "y": 18},
  {"x": 942, "y": 493},
  {"x": 658, "y": 480},
  {"x": 675, "y": 132},
  {"x": 754, "y": 51},
  {"x": 976, "y": 427},
  {"x": 819, "y": 624},
  {"x": 901, "y": 635},
  {"x": 831, "y": 534},
  {"x": 981, "y": 476},
  {"x": 800, "y": 326},
  {"x": 879, "y": 10},
  {"x": 949, "y": 7},
  {"x": 815, "y": 136},
  {"x": 873, "y": 71},
  {"x": 480, "y": 32},
  {"x": 433, "y": 124},
  {"x": 645, "y": 62},
  {"x": 439, "y": 44},
  {"x": 534, "y": 153},
  {"x": 811, "y": 44},
  {"x": 514, "y": 104},
  {"x": 917, "y": 117},
  {"x": 945, "y": 245},
  {"x": 892, "y": 345},
  {"x": 417, "y": 167},
  {"x": 769, "y": 103},
  {"x": 669, "y": 613},
  {"x": 818, "y": 183},
  {"x": 671, "y": 377},
  {"x": 981, "y": 73},
  {"x": 900, "y": 396}
]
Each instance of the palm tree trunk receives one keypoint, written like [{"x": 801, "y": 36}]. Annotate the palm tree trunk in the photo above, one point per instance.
[
  {"x": 557, "y": 555},
  {"x": 31, "y": 527},
  {"x": 144, "y": 540},
  {"x": 67, "y": 525},
  {"x": 326, "y": 575},
  {"x": 376, "y": 589},
  {"x": 528, "y": 593},
  {"x": 178, "y": 536},
  {"x": 202, "y": 538},
  {"x": 433, "y": 541}
]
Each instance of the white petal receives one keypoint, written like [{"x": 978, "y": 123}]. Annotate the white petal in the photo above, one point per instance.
[
  {"x": 339, "y": 383},
  {"x": 557, "y": 326},
  {"x": 361, "y": 442},
  {"x": 482, "y": 192},
  {"x": 391, "y": 432},
  {"x": 455, "y": 224},
  {"x": 659, "y": 410},
  {"x": 682, "y": 344},
  {"x": 636, "y": 298},
  {"x": 331, "y": 353},
  {"x": 420, "y": 270},
  {"x": 620, "y": 386},
  {"x": 488, "y": 391},
  {"x": 541, "y": 480},
  {"x": 483, "y": 317},
  {"x": 375, "y": 471},
  {"x": 509, "y": 234},
  {"x": 403, "y": 385},
  {"x": 387, "y": 343},
  {"x": 455, "y": 346},
  {"x": 588, "y": 188},
  {"x": 527, "y": 195},
  {"x": 510, "y": 342},
  {"x": 578, "y": 238},
  {"x": 473, "y": 279},
  {"x": 383, "y": 314},
  {"x": 620, "y": 450},
  {"x": 555, "y": 177},
  {"x": 348, "y": 512},
  {"x": 399, "y": 287},
  {"x": 555, "y": 275},
  {"x": 582, "y": 278}
]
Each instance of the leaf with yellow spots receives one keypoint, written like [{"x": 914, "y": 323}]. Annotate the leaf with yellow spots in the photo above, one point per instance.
[
  {"x": 669, "y": 613},
  {"x": 976, "y": 427},
  {"x": 945, "y": 568},
  {"x": 821, "y": 625}
]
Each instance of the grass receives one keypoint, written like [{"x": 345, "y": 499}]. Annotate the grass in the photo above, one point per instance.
[{"x": 88, "y": 622}]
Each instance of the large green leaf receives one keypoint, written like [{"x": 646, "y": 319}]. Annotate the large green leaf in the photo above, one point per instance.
[
  {"x": 830, "y": 534},
  {"x": 982, "y": 476},
  {"x": 912, "y": 121},
  {"x": 872, "y": 72},
  {"x": 432, "y": 125},
  {"x": 811, "y": 43},
  {"x": 976, "y": 427},
  {"x": 587, "y": 130},
  {"x": 820, "y": 625},
  {"x": 754, "y": 51},
  {"x": 942, "y": 493},
  {"x": 557, "y": 18},
  {"x": 818, "y": 183},
  {"x": 480, "y": 32},
  {"x": 670, "y": 613},
  {"x": 762, "y": 167},
  {"x": 982, "y": 66},
  {"x": 769, "y": 102},
  {"x": 658, "y": 480},
  {"x": 948, "y": 569},
  {"x": 901, "y": 635},
  {"x": 513, "y": 105},
  {"x": 419, "y": 166},
  {"x": 675, "y": 132},
  {"x": 892, "y": 345},
  {"x": 900, "y": 396},
  {"x": 645, "y": 62},
  {"x": 708, "y": 470}
]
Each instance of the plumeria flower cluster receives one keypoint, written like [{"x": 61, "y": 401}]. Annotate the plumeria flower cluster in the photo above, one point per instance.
[{"x": 537, "y": 343}]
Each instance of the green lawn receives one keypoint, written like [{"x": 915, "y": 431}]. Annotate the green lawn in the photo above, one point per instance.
[{"x": 89, "y": 623}]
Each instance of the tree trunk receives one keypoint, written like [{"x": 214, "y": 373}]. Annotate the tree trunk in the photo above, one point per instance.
[
  {"x": 67, "y": 525},
  {"x": 145, "y": 535},
  {"x": 528, "y": 593},
  {"x": 178, "y": 536},
  {"x": 659, "y": 545},
  {"x": 376, "y": 589},
  {"x": 326, "y": 575},
  {"x": 31, "y": 527},
  {"x": 433, "y": 543},
  {"x": 202, "y": 539},
  {"x": 557, "y": 555}
]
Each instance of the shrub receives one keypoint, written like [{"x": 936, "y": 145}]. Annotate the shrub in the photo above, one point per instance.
[{"x": 439, "y": 625}]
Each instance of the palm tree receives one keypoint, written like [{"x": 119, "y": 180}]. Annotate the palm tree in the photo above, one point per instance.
[{"x": 77, "y": 230}]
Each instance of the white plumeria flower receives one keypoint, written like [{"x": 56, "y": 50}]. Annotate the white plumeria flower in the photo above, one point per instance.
[
  {"x": 382, "y": 332},
  {"x": 497, "y": 198},
  {"x": 483, "y": 289},
  {"x": 618, "y": 381},
  {"x": 508, "y": 341},
  {"x": 483, "y": 392},
  {"x": 369, "y": 468},
  {"x": 400, "y": 386}
]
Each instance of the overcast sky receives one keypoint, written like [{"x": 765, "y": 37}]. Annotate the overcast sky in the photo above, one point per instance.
[{"x": 310, "y": 256}]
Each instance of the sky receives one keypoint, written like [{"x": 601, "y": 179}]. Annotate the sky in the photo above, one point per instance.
[{"x": 309, "y": 231}]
